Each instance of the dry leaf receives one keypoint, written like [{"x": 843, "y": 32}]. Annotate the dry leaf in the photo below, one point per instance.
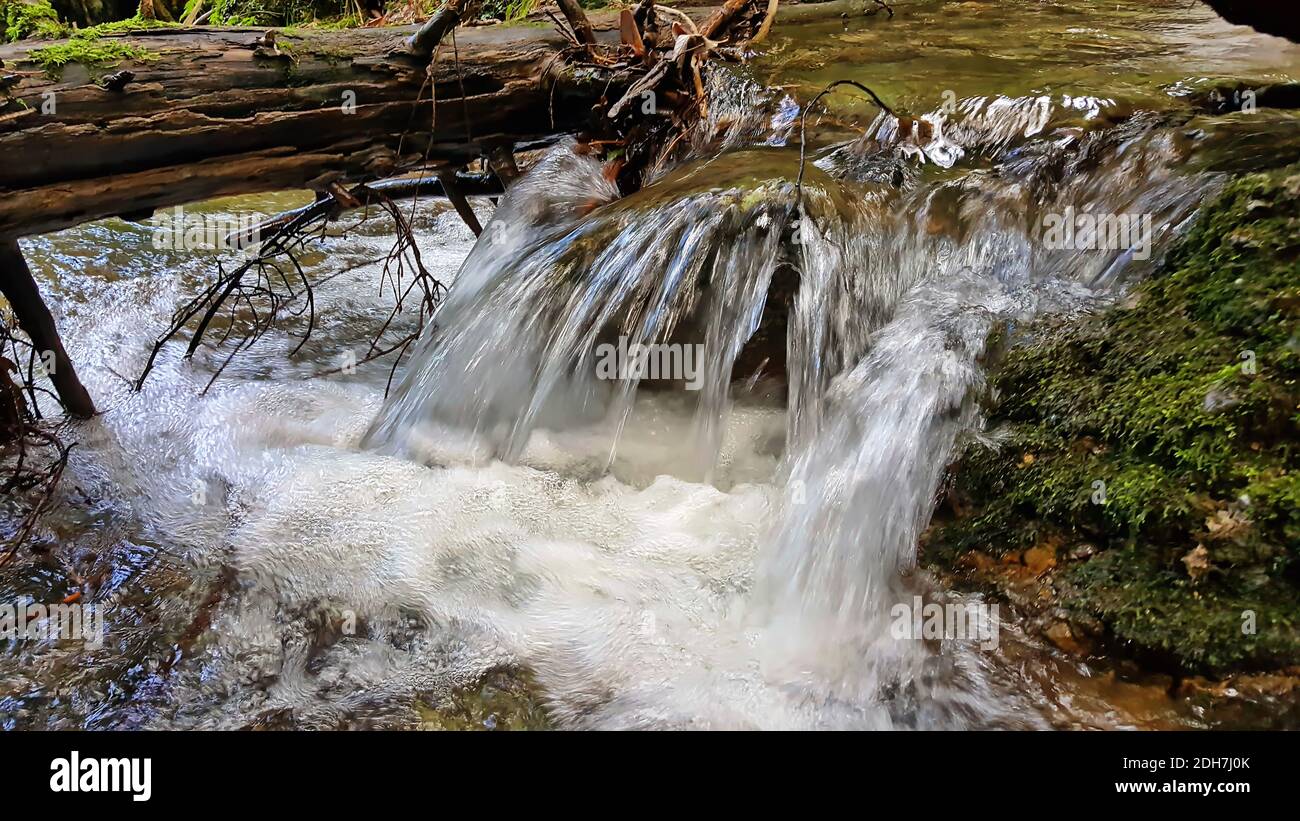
[
  {"x": 1197, "y": 562},
  {"x": 1225, "y": 524}
]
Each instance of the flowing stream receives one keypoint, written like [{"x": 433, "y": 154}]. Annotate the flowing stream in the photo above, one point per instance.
[{"x": 722, "y": 544}]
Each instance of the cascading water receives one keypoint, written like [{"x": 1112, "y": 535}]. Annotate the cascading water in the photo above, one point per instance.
[
  {"x": 906, "y": 263},
  {"x": 651, "y": 555}
]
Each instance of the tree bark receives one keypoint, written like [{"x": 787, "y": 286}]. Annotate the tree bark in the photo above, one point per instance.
[{"x": 214, "y": 113}]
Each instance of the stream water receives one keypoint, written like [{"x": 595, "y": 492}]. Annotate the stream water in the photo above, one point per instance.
[{"x": 723, "y": 546}]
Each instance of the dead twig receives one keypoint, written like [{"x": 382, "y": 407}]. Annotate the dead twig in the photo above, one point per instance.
[
  {"x": 32, "y": 455},
  {"x": 803, "y": 121}
]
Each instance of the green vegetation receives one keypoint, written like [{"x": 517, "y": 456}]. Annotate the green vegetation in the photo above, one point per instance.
[
  {"x": 121, "y": 27},
  {"x": 325, "y": 13},
  {"x": 20, "y": 20},
  {"x": 508, "y": 10},
  {"x": 513, "y": 11},
  {"x": 38, "y": 19},
  {"x": 89, "y": 51},
  {"x": 85, "y": 46},
  {"x": 1163, "y": 435}
]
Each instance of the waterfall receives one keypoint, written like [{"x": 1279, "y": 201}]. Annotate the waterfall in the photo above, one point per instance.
[{"x": 906, "y": 253}]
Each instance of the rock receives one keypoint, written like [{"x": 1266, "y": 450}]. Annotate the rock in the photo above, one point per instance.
[
  {"x": 1083, "y": 552},
  {"x": 1292, "y": 185},
  {"x": 1226, "y": 524},
  {"x": 1061, "y": 635},
  {"x": 1262, "y": 15},
  {"x": 1219, "y": 399},
  {"x": 978, "y": 561},
  {"x": 1040, "y": 559},
  {"x": 1275, "y": 685},
  {"x": 1198, "y": 685}
]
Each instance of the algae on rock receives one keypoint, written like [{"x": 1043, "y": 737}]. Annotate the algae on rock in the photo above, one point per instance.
[{"x": 1158, "y": 444}]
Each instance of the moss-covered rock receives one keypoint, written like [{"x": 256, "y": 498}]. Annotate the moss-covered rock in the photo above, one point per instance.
[
  {"x": 1155, "y": 449},
  {"x": 505, "y": 699}
]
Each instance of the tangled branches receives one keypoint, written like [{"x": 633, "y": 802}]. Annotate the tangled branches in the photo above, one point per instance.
[
  {"x": 32, "y": 457},
  {"x": 402, "y": 283},
  {"x": 661, "y": 52},
  {"x": 272, "y": 286}
]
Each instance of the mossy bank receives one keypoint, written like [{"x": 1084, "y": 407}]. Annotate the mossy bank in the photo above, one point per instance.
[{"x": 1146, "y": 494}]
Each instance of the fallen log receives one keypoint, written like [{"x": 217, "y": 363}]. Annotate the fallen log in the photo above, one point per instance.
[
  {"x": 216, "y": 112},
  {"x": 125, "y": 124}
]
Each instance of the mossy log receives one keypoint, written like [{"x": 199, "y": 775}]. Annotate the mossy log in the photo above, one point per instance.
[{"x": 167, "y": 116}]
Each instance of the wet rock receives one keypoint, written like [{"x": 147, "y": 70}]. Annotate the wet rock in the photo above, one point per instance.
[
  {"x": 1128, "y": 398},
  {"x": 978, "y": 561},
  {"x": 1040, "y": 559},
  {"x": 1083, "y": 552},
  {"x": 1061, "y": 634},
  {"x": 505, "y": 699},
  {"x": 1262, "y": 15}
]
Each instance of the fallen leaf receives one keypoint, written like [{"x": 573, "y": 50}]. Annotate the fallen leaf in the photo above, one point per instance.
[
  {"x": 1197, "y": 562},
  {"x": 1226, "y": 524}
]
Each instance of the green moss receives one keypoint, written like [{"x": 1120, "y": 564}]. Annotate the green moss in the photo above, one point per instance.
[
  {"x": 1160, "y": 426},
  {"x": 20, "y": 20},
  {"x": 121, "y": 27},
  {"x": 502, "y": 700},
  {"x": 88, "y": 52},
  {"x": 1236, "y": 621},
  {"x": 304, "y": 44},
  {"x": 88, "y": 46}
]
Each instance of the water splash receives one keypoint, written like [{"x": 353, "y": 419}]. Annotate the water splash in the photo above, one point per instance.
[
  {"x": 905, "y": 263},
  {"x": 636, "y": 595}
]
